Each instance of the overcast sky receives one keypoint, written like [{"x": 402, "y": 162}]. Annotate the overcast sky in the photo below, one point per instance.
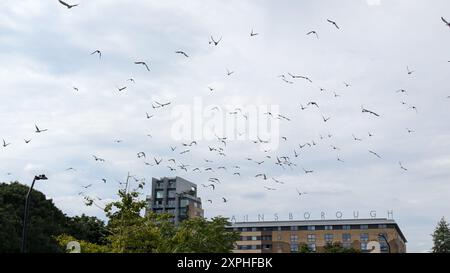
[{"x": 45, "y": 51}]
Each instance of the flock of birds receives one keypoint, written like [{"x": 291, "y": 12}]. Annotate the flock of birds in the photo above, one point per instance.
[{"x": 218, "y": 150}]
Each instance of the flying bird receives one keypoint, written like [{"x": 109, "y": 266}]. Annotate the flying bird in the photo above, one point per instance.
[
  {"x": 121, "y": 88},
  {"x": 39, "y": 130},
  {"x": 76, "y": 89},
  {"x": 409, "y": 71},
  {"x": 158, "y": 161},
  {"x": 313, "y": 103},
  {"x": 445, "y": 21},
  {"x": 224, "y": 199},
  {"x": 325, "y": 119},
  {"x": 149, "y": 116},
  {"x": 27, "y": 141},
  {"x": 214, "y": 41},
  {"x": 377, "y": 155},
  {"x": 141, "y": 154},
  {"x": 300, "y": 193},
  {"x": 253, "y": 33},
  {"x": 229, "y": 73},
  {"x": 144, "y": 64},
  {"x": 5, "y": 144},
  {"x": 401, "y": 166},
  {"x": 97, "y": 52},
  {"x": 368, "y": 111},
  {"x": 67, "y": 5},
  {"x": 182, "y": 53},
  {"x": 334, "y": 23},
  {"x": 98, "y": 158},
  {"x": 313, "y": 32}
]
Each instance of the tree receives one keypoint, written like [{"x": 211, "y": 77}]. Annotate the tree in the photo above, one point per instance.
[
  {"x": 87, "y": 228},
  {"x": 304, "y": 249},
  {"x": 337, "y": 248},
  {"x": 201, "y": 236},
  {"x": 45, "y": 220},
  {"x": 131, "y": 232},
  {"x": 441, "y": 237}
]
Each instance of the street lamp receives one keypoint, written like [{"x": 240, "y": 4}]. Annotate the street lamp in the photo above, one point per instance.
[
  {"x": 25, "y": 215},
  {"x": 387, "y": 242}
]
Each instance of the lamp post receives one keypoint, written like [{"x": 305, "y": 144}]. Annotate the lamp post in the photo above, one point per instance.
[
  {"x": 387, "y": 242},
  {"x": 25, "y": 214}
]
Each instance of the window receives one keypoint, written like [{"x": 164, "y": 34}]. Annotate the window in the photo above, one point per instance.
[
  {"x": 363, "y": 246},
  {"x": 311, "y": 227},
  {"x": 267, "y": 247},
  {"x": 328, "y": 227},
  {"x": 311, "y": 237},
  {"x": 266, "y": 238},
  {"x": 384, "y": 247},
  {"x": 159, "y": 194},
  {"x": 364, "y": 237},
  {"x": 346, "y": 227},
  {"x": 171, "y": 203},
  {"x": 254, "y": 238},
  {"x": 279, "y": 238},
  {"x": 312, "y": 247},
  {"x": 184, "y": 203},
  {"x": 244, "y": 229},
  {"x": 294, "y": 228},
  {"x": 171, "y": 194},
  {"x": 346, "y": 237},
  {"x": 329, "y": 238},
  {"x": 347, "y": 245},
  {"x": 364, "y": 227},
  {"x": 253, "y": 229},
  {"x": 294, "y": 247},
  {"x": 294, "y": 238},
  {"x": 382, "y": 226}
]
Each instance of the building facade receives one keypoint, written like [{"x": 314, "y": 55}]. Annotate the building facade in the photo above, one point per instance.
[
  {"x": 289, "y": 236},
  {"x": 176, "y": 196}
]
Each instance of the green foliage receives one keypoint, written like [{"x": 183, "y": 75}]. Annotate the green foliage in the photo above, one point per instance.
[
  {"x": 337, "y": 248},
  {"x": 85, "y": 247},
  {"x": 201, "y": 236},
  {"x": 441, "y": 237},
  {"x": 303, "y": 248},
  {"x": 45, "y": 220},
  {"x": 87, "y": 228}
]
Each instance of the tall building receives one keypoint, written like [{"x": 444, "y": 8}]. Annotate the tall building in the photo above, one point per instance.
[
  {"x": 289, "y": 236},
  {"x": 176, "y": 196}
]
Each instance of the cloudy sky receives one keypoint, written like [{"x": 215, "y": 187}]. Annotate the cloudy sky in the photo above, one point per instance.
[{"x": 45, "y": 51}]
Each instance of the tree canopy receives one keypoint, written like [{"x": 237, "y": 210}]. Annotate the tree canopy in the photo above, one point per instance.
[{"x": 441, "y": 237}]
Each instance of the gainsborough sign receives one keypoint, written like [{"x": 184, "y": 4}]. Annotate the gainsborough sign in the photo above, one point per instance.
[{"x": 291, "y": 216}]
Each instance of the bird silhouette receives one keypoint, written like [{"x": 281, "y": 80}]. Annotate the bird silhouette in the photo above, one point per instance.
[
  {"x": 214, "y": 41},
  {"x": 182, "y": 53},
  {"x": 445, "y": 21},
  {"x": 313, "y": 32},
  {"x": 253, "y": 33},
  {"x": 402, "y": 167},
  {"x": 27, "y": 141},
  {"x": 158, "y": 161},
  {"x": 368, "y": 111},
  {"x": 39, "y": 130},
  {"x": 375, "y": 154},
  {"x": 67, "y": 5},
  {"x": 332, "y": 22},
  {"x": 97, "y": 52},
  {"x": 5, "y": 144},
  {"x": 409, "y": 71},
  {"x": 144, "y": 64}
]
